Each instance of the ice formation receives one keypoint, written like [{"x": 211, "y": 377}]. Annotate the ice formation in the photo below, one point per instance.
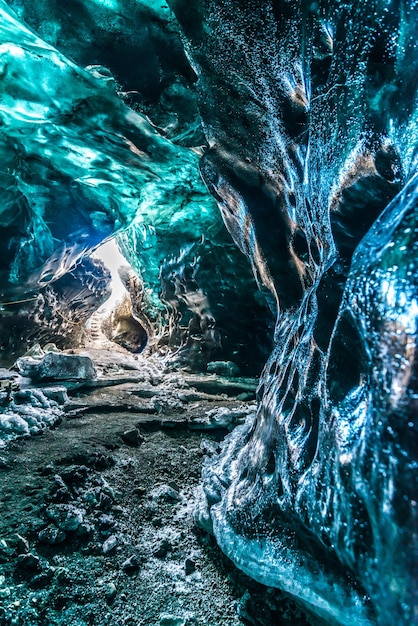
[{"x": 304, "y": 117}]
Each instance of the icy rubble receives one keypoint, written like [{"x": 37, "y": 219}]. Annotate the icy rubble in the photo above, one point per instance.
[{"x": 30, "y": 411}]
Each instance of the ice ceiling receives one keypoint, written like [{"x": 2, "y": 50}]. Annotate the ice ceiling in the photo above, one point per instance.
[{"x": 302, "y": 118}]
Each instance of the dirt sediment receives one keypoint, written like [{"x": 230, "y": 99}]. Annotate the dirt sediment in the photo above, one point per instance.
[{"x": 96, "y": 524}]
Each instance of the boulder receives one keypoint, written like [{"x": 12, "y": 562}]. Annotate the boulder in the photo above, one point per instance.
[{"x": 57, "y": 366}]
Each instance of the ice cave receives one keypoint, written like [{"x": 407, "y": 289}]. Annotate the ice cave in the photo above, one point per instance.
[{"x": 208, "y": 312}]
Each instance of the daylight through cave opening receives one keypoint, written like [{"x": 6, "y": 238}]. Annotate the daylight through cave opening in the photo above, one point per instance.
[{"x": 119, "y": 318}]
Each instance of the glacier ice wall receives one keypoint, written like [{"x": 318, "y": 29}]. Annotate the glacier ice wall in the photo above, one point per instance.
[
  {"x": 80, "y": 166},
  {"x": 310, "y": 114},
  {"x": 135, "y": 44}
]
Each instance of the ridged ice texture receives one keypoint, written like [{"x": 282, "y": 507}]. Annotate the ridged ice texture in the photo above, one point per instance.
[
  {"x": 133, "y": 43},
  {"x": 79, "y": 166},
  {"x": 310, "y": 113},
  {"x": 77, "y": 163}
]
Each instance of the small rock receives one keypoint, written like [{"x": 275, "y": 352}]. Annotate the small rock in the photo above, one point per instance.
[
  {"x": 51, "y": 535},
  {"x": 85, "y": 530},
  {"x": 22, "y": 545},
  {"x": 60, "y": 483},
  {"x": 105, "y": 501},
  {"x": 106, "y": 488},
  {"x": 133, "y": 437},
  {"x": 110, "y": 593},
  {"x": 106, "y": 521},
  {"x": 139, "y": 491},
  {"x": 167, "y": 405},
  {"x": 29, "y": 562},
  {"x": 110, "y": 544},
  {"x": 65, "y": 516},
  {"x": 45, "y": 470},
  {"x": 189, "y": 566},
  {"x": 57, "y": 394},
  {"x": 98, "y": 460},
  {"x": 61, "y": 492},
  {"x": 75, "y": 474},
  {"x": 62, "y": 576},
  {"x": 166, "y": 493},
  {"x": 162, "y": 549},
  {"x": 131, "y": 564},
  {"x": 103, "y": 461},
  {"x": 157, "y": 522},
  {"x": 90, "y": 497},
  {"x": 223, "y": 368}
]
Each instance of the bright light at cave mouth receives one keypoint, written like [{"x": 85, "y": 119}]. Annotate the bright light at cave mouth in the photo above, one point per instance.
[{"x": 113, "y": 259}]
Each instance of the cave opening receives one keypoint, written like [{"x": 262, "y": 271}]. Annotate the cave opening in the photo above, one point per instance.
[{"x": 115, "y": 320}]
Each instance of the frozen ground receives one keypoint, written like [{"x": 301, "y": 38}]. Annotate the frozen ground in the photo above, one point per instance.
[{"x": 96, "y": 524}]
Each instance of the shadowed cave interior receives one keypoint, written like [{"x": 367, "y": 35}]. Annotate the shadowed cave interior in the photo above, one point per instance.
[{"x": 208, "y": 312}]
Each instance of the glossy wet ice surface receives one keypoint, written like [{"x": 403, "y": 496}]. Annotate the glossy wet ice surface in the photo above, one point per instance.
[{"x": 302, "y": 120}]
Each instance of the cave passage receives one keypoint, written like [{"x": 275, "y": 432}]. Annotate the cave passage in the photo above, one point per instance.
[{"x": 231, "y": 437}]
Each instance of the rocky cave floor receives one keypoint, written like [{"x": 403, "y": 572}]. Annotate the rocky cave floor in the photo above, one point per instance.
[{"x": 96, "y": 518}]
